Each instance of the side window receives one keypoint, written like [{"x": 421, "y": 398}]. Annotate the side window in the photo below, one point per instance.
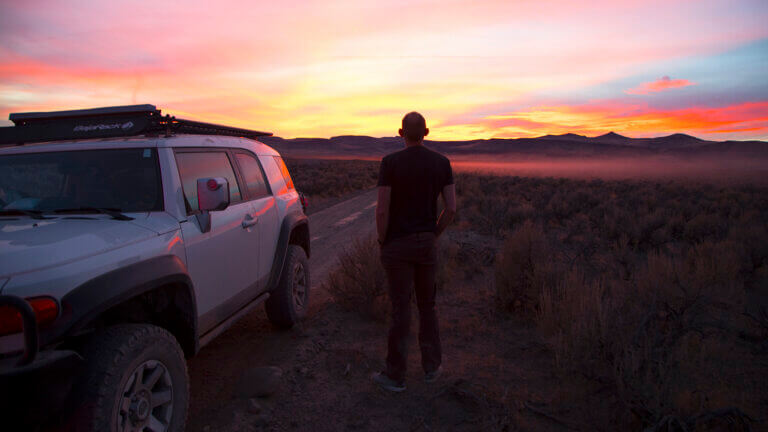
[
  {"x": 193, "y": 166},
  {"x": 253, "y": 174},
  {"x": 284, "y": 171}
]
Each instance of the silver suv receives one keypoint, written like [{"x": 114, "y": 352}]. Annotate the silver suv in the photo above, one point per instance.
[{"x": 129, "y": 240}]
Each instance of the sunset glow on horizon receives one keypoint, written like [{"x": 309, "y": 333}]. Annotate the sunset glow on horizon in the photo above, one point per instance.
[{"x": 486, "y": 69}]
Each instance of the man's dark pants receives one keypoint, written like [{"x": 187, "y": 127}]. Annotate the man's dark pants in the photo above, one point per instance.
[{"x": 410, "y": 263}]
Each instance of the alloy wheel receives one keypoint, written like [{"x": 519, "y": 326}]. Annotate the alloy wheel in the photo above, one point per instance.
[{"x": 146, "y": 403}]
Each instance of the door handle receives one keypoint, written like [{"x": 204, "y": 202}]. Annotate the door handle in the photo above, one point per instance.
[{"x": 250, "y": 221}]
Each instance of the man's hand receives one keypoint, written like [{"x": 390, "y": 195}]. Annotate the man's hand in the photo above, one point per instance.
[
  {"x": 382, "y": 212},
  {"x": 449, "y": 199}
]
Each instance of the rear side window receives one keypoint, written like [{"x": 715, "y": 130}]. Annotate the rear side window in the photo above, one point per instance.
[
  {"x": 193, "y": 166},
  {"x": 253, "y": 174},
  {"x": 284, "y": 171}
]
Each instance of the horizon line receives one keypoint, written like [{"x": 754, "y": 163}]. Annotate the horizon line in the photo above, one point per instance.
[{"x": 764, "y": 140}]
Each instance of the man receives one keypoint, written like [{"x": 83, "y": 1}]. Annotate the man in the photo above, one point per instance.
[{"x": 410, "y": 182}]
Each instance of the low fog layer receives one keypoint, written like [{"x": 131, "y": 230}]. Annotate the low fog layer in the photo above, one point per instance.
[{"x": 740, "y": 170}]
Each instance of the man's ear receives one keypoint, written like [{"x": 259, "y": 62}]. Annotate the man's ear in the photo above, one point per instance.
[
  {"x": 426, "y": 131},
  {"x": 400, "y": 132}
]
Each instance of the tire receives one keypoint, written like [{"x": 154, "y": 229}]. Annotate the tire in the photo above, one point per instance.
[
  {"x": 288, "y": 303},
  {"x": 111, "y": 401}
]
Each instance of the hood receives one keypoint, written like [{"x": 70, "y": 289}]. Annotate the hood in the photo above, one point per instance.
[{"x": 30, "y": 244}]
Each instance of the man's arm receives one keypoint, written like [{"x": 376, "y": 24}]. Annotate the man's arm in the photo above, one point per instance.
[
  {"x": 382, "y": 211},
  {"x": 449, "y": 199}
]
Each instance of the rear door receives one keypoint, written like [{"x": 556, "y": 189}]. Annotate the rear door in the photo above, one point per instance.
[
  {"x": 222, "y": 262},
  {"x": 264, "y": 208}
]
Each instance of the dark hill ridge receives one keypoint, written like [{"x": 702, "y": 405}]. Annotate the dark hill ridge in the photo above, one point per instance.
[
  {"x": 612, "y": 138},
  {"x": 566, "y": 137},
  {"x": 566, "y": 146}
]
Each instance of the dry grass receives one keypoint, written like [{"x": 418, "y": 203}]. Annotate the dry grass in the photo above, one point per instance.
[
  {"x": 523, "y": 268},
  {"x": 358, "y": 281}
]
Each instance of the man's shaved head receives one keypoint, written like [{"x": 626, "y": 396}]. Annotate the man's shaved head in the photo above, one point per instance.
[{"x": 414, "y": 127}]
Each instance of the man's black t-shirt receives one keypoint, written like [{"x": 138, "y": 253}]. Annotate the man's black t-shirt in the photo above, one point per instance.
[{"x": 417, "y": 175}]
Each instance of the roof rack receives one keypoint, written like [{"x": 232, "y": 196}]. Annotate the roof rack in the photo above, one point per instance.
[{"x": 107, "y": 122}]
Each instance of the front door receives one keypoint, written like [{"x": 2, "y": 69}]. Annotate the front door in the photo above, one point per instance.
[{"x": 221, "y": 262}]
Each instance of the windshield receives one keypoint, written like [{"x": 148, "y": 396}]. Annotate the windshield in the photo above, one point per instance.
[{"x": 123, "y": 179}]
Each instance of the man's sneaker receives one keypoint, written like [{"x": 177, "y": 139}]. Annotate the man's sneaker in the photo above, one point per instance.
[
  {"x": 387, "y": 383},
  {"x": 434, "y": 375}
]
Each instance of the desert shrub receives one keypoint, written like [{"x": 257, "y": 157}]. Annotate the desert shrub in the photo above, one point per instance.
[
  {"x": 559, "y": 207},
  {"x": 448, "y": 267},
  {"x": 653, "y": 228},
  {"x": 491, "y": 213},
  {"x": 753, "y": 245},
  {"x": 519, "y": 212},
  {"x": 685, "y": 317},
  {"x": 523, "y": 268},
  {"x": 661, "y": 337},
  {"x": 574, "y": 316},
  {"x": 358, "y": 281},
  {"x": 470, "y": 258},
  {"x": 704, "y": 226}
]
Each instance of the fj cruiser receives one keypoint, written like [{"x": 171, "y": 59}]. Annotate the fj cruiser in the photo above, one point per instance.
[{"x": 129, "y": 240}]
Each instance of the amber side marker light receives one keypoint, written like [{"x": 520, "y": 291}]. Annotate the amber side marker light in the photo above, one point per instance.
[{"x": 46, "y": 311}]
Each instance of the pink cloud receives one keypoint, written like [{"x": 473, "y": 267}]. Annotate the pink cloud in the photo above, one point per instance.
[{"x": 661, "y": 84}]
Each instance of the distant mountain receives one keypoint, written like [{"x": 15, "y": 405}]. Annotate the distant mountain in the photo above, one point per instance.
[
  {"x": 677, "y": 140},
  {"x": 549, "y": 146},
  {"x": 566, "y": 137},
  {"x": 612, "y": 138}
]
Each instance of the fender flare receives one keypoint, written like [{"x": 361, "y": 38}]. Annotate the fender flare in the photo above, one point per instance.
[
  {"x": 91, "y": 299},
  {"x": 290, "y": 223}
]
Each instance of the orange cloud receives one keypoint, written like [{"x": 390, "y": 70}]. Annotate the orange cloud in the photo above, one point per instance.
[{"x": 661, "y": 84}]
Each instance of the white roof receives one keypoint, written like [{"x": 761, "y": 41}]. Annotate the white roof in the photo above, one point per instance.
[{"x": 180, "y": 140}]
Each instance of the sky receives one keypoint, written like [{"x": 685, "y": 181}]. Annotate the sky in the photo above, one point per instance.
[{"x": 475, "y": 69}]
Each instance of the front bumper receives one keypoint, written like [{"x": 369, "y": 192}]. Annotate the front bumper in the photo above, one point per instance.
[{"x": 35, "y": 386}]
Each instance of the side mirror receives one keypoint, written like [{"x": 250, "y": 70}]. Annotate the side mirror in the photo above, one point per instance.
[{"x": 212, "y": 195}]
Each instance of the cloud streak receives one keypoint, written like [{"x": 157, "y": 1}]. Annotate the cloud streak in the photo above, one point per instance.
[{"x": 661, "y": 84}]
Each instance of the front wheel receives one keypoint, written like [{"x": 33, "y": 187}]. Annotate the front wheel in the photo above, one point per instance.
[
  {"x": 288, "y": 303},
  {"x": 136, "y": 380}
]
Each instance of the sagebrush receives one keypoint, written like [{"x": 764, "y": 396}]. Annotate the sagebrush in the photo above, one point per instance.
[
  {"x": 358, "y": 281},
  {"x": 658, "y": 288}
]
